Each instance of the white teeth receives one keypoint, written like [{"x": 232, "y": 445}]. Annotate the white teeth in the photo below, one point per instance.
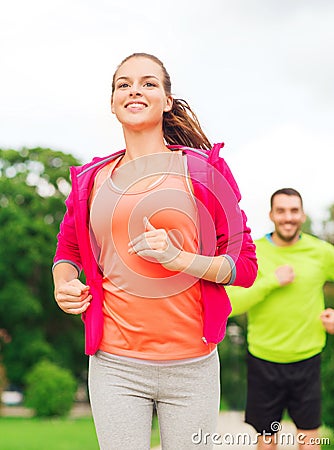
[{"x": 136, "y": 105}]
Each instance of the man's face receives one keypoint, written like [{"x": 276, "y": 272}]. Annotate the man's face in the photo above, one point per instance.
[{"x": 288, "y": 215}]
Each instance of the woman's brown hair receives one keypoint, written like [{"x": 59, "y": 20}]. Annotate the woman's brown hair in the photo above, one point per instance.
[{"x": 180, "y": 124}]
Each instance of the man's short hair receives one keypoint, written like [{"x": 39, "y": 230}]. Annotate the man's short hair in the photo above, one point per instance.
[{"x": 285, "y": 191}]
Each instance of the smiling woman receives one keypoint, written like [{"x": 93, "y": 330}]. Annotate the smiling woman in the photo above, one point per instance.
[
  {"x": 158, "y": 230},
  {"x": 139, "y": 99}
]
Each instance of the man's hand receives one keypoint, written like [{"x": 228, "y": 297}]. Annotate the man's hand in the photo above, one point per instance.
[
  {"x": 327, "y": 318},
  {"x": 285, "y": 275}
]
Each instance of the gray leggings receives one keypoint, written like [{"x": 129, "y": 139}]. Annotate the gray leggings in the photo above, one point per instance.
[{"x": 122, "y": 395}]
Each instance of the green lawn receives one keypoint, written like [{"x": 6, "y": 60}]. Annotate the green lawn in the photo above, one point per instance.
[
  {"x": 18, "y": 433},
  {"x": 328, "y": 434},
  {"x": 51, "y": 434}
]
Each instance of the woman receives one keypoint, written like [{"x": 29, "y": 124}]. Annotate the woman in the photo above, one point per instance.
[{"x": 158, "y": 232}]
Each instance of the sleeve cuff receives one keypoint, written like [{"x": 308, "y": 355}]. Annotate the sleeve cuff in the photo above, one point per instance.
[
  {"x": 68, "y": 262},
  {"x": 233, "y": 270}
]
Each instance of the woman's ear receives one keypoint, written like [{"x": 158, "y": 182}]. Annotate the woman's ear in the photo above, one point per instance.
[
  {"x": 112, "y": 105},
  {"x": 169, "y": 104}
]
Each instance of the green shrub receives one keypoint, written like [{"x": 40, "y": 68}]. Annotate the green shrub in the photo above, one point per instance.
[{"x": 50, "y": 390}]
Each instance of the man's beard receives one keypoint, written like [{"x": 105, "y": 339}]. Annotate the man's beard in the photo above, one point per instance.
[{"x": 288, "y": 238}]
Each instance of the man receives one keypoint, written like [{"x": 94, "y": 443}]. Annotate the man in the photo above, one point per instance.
[{"x": 285, "y": 331}]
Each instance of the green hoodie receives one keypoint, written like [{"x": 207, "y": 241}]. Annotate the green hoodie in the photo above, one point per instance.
[{"x": 284, "y": 321}]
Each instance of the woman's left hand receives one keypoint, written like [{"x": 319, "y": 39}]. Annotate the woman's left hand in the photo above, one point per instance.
[
  {"x": 158, "y": 245},
  {"x": 154, "y": 243}
]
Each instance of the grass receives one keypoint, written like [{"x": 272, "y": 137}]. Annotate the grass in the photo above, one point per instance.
[
  {"x": 328, "y": 434},
  {"x": 54, "y": 434},
  {"x": 17, "y": 433},
  {"x": 155, "y": 436}
]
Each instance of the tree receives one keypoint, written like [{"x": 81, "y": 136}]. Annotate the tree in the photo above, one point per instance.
[
  {"x": 4, "y": 339},
  {"x": 328, "y": 226},
  {"x": 327, "y": 368},
  {"x": 33, "y": 186},
  {"x": 232, "y": 356}
]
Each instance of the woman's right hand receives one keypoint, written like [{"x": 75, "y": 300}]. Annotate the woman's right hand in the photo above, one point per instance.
[{"x": 73, "y": 297}]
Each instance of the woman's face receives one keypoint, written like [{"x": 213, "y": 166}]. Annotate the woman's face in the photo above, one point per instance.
[{"x": 139, "y": 99}]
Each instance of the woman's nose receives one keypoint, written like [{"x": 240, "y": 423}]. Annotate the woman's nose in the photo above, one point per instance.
[{"x": 135, "y": 91}]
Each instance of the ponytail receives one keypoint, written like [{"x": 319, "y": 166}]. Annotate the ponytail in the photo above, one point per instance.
[{"x": 181, "y": 127}]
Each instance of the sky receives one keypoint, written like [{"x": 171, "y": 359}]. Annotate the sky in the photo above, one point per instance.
[{"x": 258, "y": 73}]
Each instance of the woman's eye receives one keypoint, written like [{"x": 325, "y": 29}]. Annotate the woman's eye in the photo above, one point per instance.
[
  {"x": 123, "y": 85},
  {"x": 149, "y": 84}
]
